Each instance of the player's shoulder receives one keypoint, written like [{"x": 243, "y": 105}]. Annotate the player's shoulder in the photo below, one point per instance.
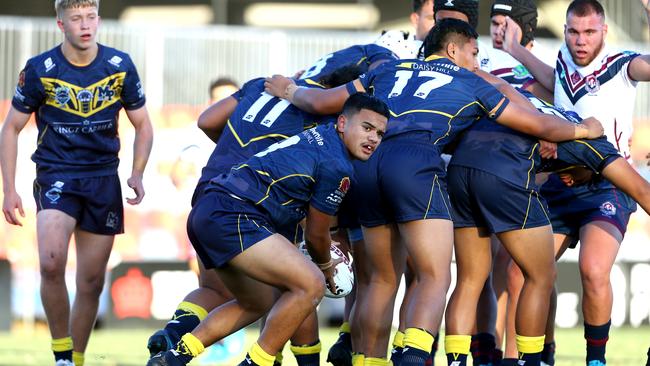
[
  {"x": 254, "y": 85},
  {"x": 45, "y": 62},
  {"x": 115, "y": 58}
]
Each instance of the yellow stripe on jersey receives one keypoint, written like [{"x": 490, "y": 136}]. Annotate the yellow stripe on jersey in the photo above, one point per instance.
[
  {"x": 84, "y": 101},
  {"x": 361, "y": 60},
  {"x": 532, "y": 163},
  {"x": 40, "y": 138},
  {"x": 312, "y": 82},
  {"x": 258, "y": 138},
  {"x": 268, "y": 190},
  {"x": 454, "y": 116},
  {"x": 241, "y": 241},
  {"x": 591, "y": 148}
]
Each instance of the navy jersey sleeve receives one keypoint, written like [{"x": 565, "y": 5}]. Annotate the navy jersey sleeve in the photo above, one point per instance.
[
  {"x": 594, "y": 154},
  {"x": 133, "y": 91},
  {"x": 332, "y": 184},
  {"x": 249, "y": 88},
  {"x": 376, "y": 53},
  {"x": 489, "y": 97},
  {"x": 366, "y": 80},
  {"x": 29, "y": 93}
]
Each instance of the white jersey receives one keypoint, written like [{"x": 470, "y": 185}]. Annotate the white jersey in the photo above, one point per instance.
[
  {"x": 500, "y": 63},
  {"x": 602, "y": 89}
]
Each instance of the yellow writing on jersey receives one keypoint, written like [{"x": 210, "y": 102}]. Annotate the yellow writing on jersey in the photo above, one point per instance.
[{"x": 84, "y": 101}]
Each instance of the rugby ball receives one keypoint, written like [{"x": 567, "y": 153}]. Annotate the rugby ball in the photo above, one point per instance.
[{"x": 343, "y": 274}]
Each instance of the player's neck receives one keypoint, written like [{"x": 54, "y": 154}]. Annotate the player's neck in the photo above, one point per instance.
[{"x": 79, "y": 57}]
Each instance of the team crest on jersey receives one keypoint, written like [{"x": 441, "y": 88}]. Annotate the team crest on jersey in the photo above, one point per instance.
[
  {"x": 84, "y": 101},
  {"x": 54, "y": 193},
  {"x": 112, "y": 220},
  {"x": 21, "y": 79},
  {"x": 344, "y": 186},
  {"x": 62, "y": 95},
  {"x": 608, "y": 209},
  {"x": 592, "y": 84}
]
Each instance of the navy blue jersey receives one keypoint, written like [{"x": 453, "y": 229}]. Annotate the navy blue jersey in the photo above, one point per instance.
[
  {"x": 434, "y": 96},
  {"x": 258, "y": 121},
  {"x": 361, "y": 55},
  {"x": 77, "y": 110},
  {"x": 514, "y": 156},
  {"x": 311, "y": 168}
]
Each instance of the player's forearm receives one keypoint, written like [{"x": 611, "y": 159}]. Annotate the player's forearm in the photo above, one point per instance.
[
  {"x": 318, "y": 246},
  {"x": 316, "y": 101},
  {"x": 8, "y": 156},
  {"x": 142, "y": 147},
  {"x": 543, "y": 73},
  {"x": 557, "y": 130},
  {"x": 625, "y": 178}
]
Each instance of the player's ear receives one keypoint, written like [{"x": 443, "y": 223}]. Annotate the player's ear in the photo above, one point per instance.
[
  {"x": 59, "y": 23},
  {"x": 451, "y": 50},
  {"x": 340, "y": 123}
]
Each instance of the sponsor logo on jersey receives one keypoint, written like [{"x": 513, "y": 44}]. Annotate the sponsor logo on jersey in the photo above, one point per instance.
[
  {"x": 608, "y": 209},
  {"x": 84, "y": 101},
  {"x": 520, "y": 72},
  {"x": 49, "y": 64},
  {"x": 344, "y": 186},
  {"x": 336, "y": 197},
  {"x": 449, "y": 3},
  {"x": 592, "y": 84},
  {"x": 115, "y": 61}
]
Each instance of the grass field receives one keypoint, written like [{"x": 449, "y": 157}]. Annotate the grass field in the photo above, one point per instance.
[{"x": 627, "y": 346}]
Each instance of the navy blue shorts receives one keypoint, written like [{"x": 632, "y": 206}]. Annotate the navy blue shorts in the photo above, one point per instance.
[
  {"x": 481, "y": 199},
  {"x": 573, "y": 207},
  {"x": 96, "y": 202},
  {"x": 404, "y": 180},
  {"x": 221, "y": 227}
]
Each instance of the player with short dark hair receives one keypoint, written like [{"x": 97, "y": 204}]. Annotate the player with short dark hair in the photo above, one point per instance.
[
  {"x": 243, "y": 124},
  {"x": 75, "y": 91},
  {"x": 235, "y": 227},
  {"x": 403, "y": 188}
]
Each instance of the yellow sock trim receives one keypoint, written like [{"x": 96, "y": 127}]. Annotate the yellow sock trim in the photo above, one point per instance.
[
  {"x": 193, "y": 308},
  {"x": 193, "y": 344},
  {"x": 458, "y": 344},
  {"x": 375, "y": 361},
  {"x": 62, "y": 344},
  {"x": 306, "y": 349},
  {"x": 529, "y": 344},
  {"x": 398, "y": 339},
  {"x": 345, "y": 328},
  {"x": 78, "y": 358},
  {"x": 260, "y": 357},
  {"x": 358, "y": 359},
  {"x": 418, "y": 338}
]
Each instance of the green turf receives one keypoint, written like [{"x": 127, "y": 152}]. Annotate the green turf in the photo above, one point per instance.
[{"x": 627, "y": 346}]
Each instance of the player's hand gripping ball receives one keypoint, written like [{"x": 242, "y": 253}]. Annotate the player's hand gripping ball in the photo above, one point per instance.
[{"x": 343, "y": 274}]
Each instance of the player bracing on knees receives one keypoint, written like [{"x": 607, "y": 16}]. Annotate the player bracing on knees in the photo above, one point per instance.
[{"x": 235, "y": 228}]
